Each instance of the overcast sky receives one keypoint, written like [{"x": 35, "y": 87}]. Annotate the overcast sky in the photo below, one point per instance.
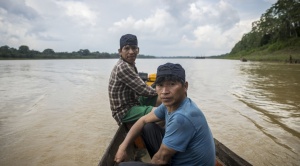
[{"x": 163, "y": 27}]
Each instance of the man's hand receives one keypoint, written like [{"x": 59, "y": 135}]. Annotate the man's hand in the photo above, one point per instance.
[
  {"x": 133, "y": 133},
  {"x": 121, "y": 155},
  {"x": 163, "y": 155}
]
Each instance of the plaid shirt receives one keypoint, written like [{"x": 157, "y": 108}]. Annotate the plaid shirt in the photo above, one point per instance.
[{"x": 125, "y": 86}]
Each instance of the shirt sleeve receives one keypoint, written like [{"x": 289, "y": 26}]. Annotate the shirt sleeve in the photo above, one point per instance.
[
  {"x": 128, "y": 76},
  {"x": 160, "y": 112},
  {"x": 179, "y": 132}
]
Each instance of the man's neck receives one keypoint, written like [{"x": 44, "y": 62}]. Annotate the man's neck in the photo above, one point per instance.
[
  {"x": 174, "y": 107},
  {"x": 127, "y": 61}
]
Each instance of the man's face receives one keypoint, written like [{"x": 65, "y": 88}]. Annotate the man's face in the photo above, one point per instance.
[
  {"x": 171, "y": 93},
  {"x": 129, "y": 53}
]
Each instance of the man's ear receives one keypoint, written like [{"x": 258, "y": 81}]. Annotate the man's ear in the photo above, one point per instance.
[
  {"x": 186, "y": 85},
  {"x": 120, "y": 50}
]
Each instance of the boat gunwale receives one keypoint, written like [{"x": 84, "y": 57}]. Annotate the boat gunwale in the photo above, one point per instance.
[{"x": 224, "y": 156}]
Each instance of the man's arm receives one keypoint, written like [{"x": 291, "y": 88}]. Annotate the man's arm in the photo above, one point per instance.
[
  {"x": 163, "y": 155},
  {"x": 133, "y": 133},
  {"x": 132, "y": 80}
]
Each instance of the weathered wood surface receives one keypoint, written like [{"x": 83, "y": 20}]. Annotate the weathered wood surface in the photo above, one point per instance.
[
  {"x": 109, "y": 155},
  {"x": 224, "y": 156}
]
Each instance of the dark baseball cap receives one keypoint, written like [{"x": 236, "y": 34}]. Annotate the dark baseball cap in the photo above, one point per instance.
[
  {"x": 128, "y": 39},
  {"x": 171, "y": 69}
]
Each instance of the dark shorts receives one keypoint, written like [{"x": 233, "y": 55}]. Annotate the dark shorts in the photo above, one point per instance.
[{"x": 136, "y": 112}]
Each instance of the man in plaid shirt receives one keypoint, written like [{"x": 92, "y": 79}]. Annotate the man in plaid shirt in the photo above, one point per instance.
[{"x": 128, "y": 93}]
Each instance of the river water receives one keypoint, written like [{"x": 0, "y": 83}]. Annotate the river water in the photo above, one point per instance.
[{"x": 56, "y": 112}]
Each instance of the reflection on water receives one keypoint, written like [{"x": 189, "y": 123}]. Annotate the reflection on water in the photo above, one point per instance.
[
  {"x": 56, "y": 112},
  {"x": 272, "y": 90},
  {"x": 53, "y": 112}
]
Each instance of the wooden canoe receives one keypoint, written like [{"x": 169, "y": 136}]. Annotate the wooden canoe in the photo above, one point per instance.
[{"x": 224, "y": 156}]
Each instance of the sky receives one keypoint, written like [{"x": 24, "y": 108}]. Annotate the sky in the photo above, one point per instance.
[{"x": 163, "y": 27}]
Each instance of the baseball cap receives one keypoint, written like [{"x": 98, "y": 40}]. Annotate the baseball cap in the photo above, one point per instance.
[
  {"x": 171, "y": 69},
  {"x": 128, "y": 39}
]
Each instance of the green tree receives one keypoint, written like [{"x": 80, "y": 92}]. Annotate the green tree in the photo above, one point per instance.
[
  {"x": 23, "y": 49},
  {"x": 280, "y": 22},
  {"x": 84, "y": 52},
  {"x": 5, "y": 51},
  {"x": 48, "y": 51}
]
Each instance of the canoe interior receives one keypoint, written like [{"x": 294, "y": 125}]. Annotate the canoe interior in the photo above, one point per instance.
[
  {"x": 224, "y": 156},
  {"x": 227, "y": 157},
  {"x": 109, "y": 154}
]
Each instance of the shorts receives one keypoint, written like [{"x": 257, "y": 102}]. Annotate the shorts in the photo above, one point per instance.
[{"x": 136, "y": 112}]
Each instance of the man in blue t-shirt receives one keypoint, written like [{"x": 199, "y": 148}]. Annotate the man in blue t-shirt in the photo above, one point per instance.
[{"x": 186, "y": 138}]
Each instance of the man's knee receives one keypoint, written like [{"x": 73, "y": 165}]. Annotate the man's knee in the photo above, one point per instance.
[
  {"x": 149, "y": 126},
  {"x": 152, "y": 129},
  {"x": 148, "y": 130}
]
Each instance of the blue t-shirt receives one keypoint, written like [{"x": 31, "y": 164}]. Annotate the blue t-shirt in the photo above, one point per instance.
[{"x": 188, "y": 133}]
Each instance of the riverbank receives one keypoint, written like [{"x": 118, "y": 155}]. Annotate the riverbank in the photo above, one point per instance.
[
  {"x": 288, "y": 52},
  {"x": 290, "y": 55}
]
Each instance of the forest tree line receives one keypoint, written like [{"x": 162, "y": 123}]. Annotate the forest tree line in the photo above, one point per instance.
[
  {"x": 23, "y": 52},
  {"x": 279, "y": 27}
]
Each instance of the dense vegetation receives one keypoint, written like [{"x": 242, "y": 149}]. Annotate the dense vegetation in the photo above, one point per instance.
[
  {"x": 274, "y": 37},
  {"x": 25, "y": 53}
]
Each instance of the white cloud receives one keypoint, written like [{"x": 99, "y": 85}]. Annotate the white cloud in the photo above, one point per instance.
[
  {"x": 220, "y": 14},
  {"x": 271, "y": 1},
  {"x": 79, "y": 12},
  {"x": 157, "y": 24},
  {"x": 163, "y": 27}
]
